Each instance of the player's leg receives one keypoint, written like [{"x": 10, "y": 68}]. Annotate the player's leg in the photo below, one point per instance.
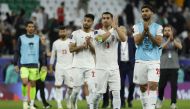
[
  {"x": 58, "y": 87},
  {"x": 68, "y": 81},
  {"x": 162, "y": 84},
  {"x": 114, "y": 83},
  {"x": 131, "y": 85},
  {"x": 33, "y": 76},
  {"x": 89, "y": 87},
  {"x": 153, "y": 79},
  {"x": 173, "y": 81},
  {"x": 78, "y": 81},
  {"x": 24, "y": 73},
  {"x": 140, "y": 78},
  {"x": 101, "y": 85},
  {"x": 41, "y": 86},
  {"x": 124, "y": 68}
]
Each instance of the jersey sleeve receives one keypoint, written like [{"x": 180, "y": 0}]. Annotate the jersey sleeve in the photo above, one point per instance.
[
  {"x": 159, "y": 31},
  {"x": 73, "y": 38},
  {"x": 53, "y": 53},
  {"x": 135, "y": 30}
]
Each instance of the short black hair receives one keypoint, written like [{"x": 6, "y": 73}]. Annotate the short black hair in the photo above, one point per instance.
[
  {"x": 62, "y": 27},
  {"x": 108, "y": 13},
  {"x": 91, "y": 16},
  {"x": 28, "y": 22},
  {"x": 149, "y": 7}
]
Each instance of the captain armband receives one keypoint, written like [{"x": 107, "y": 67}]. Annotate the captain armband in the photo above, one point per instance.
[{"x": 100, "y": 39}]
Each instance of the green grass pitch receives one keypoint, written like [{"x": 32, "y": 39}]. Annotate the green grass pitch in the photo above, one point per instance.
[{"x": 181, "y": 104}]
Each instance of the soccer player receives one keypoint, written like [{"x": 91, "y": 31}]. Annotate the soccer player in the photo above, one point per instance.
[
  {"x": 60, "y": 51},
  {"x": 169, "y": 66},
  {"x": 107, "y": 69},
  {"x": 148, "y": 38},
  {"x": 28, "y": 55},
  {"x": 83, "y": 61}
]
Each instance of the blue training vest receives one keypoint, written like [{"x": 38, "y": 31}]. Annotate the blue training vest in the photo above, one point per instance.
[
  {"x": 29, "y": 50},
  {"x": 146, "y": 51}
]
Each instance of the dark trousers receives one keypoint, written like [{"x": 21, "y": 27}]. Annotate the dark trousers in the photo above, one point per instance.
[
  {"x": 40, "y": 85},
  {"x": 166, "y": 75},
  {"x": 126, "y": 69}
]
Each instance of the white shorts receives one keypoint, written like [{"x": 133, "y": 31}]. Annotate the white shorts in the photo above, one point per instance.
[
  {"x": 63, "y": 75},
  {"x": 145, "y": 71},
  {"x": 81, "y": 75},
  {"x": 106, "y": 78}
]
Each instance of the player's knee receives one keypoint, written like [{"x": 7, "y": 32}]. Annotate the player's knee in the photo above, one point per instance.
[
  {"x": 143, "y": 88},
  {"x": 153, "y": 85},
  {"x": 33, "y": 83}
]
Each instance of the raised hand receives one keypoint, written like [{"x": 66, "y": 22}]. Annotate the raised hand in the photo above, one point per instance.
[
  {"x": 115, "y": 22},
  {"x": 88, "y": 39},
  {"x": 146, "y": 29}
]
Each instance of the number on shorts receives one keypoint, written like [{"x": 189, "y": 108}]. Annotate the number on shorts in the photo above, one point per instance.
[{"x": 93, "y": 74}]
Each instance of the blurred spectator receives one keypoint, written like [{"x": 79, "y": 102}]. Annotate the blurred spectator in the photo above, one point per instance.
[
  {"x": 20, "y": 23},
  {"x": 60, "y": 14},
  {"x": 98, "y": 25},
  {"x": 7, "y": 41},
  {"x": 12, "y": 76},
  {"x": 130, "y": 18},
  {"x": 45, "y": 17},
  {"x": 38, "y": 15},
  {"x": 82, "y": 4},
  {"x": 186, "y": 49},
  {"x": 53, "y": 35}
]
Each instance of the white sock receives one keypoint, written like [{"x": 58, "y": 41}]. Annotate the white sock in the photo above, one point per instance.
[
  {"x": 116, "y": 99},
  {"x": 74, "y": 96},
  {"x": 32, "y": 103},
  {"x": 59, "y": 94},
  {"x": 96, "y": 99},
  {"x": 25, "y": 98},
  {"x": 68, "y": 97},
  {"x": 144, "y": 99},
  {"x": 89, "y": 100},
  {"x": 152, "y": 97}
]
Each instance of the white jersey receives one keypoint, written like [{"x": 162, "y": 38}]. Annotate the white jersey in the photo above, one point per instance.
[
  {"x": 106, "y": 52},
  {"x": 84, "y": 58},
  {"x": 61, "y": 51}
]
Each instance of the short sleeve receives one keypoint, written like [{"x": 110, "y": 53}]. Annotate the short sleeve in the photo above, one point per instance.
[
  {"x": 135, "y": 30},
  {"x": 159, "y": 31},
  {"x": 73, "y": 37}
]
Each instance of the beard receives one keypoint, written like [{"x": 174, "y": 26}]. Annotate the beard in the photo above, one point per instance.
[
  {"x": 86, "y": 27},
  {"x": 146, "y": 18}
]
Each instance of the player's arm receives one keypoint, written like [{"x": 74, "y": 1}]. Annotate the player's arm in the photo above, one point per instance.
[
  {"x": 157, "y": 40},
  {"x": 52, "y": 58},
  {"x": 103, "y": 37},
  {"x": 177, "y": 43},
  {"x": 138, "y": 37},
  {"x": 17, "y": 54},
  {"x": 74, "y": 48},
  {"x": 121, "y": 34},
  {"x": 164, "y": 45},
  {"x": 159, "y": 35},
  {"x": 42, "y": 54},
  {"x": 89, "y": 41}
]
